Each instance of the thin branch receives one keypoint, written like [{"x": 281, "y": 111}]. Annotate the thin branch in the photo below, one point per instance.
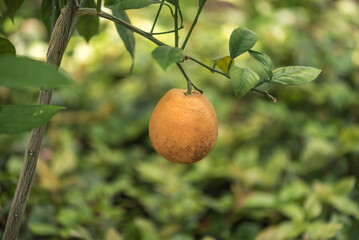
[
  {"x": 176, "y": 24},
  {"x": 171, "y": 31},
  {"x": 92, "y": 11},
  {"x": 156, "y": 18},
  {"x": 165, "y": 4},
  {"x": 265, "y": 93},
  {"x": 261, "y": 82},
  {"x": 98, "y": 5},
  {"x": 208, "y": 67},
  {"x": 192, "y": 26}
]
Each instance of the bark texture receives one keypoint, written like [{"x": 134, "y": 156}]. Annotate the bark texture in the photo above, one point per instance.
[{"x": 57, "y": 46}]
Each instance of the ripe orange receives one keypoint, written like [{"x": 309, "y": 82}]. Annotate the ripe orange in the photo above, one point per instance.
[{"x": 183, "y": 128}]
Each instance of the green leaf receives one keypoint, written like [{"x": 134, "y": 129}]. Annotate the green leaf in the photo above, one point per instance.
[
  {"x": 264, "y": 60},
  {"x": 46, "y": 12},
  {"x": 23, "y": 118},
  {"x": 260, "y": 200},
  {"x": 321, "y": 231},
  {"x": 292, "y": 211},
  {"x": 344, "y": 186},
  {"x": 12, "y": 6},
  {"x": 6, "y": 47},
  {"x": 43, "y": 229},
  {"x": 62, "y": 3},
  {"x": 243, "y": 79},
  {"x": 165, "y": 56},
  {"x": 241, "y": 40},
  {"x": 25, "y": 72},
  {"x": 223, "y": 63},
  {"x": 293, "y": 191},
  {"x": 87, "y": 26},
  {"x": 126, "y": 35},
  {"x": 127, "y": 4},
  {"x": 345, "y": 205},
  {"x": 313, "y": 207},
  {"x": 289, "y": 230},
  {"x": 295, "y": 74},
  {"x": 112, "y": 234}
]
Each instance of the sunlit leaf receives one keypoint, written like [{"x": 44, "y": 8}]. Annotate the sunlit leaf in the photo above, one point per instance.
[
  {"x": 166, "y": 56},
  {"x": 126, "y": 35},
  {"x": 223, "y": 63},
  {"x": 6, "y": 47},
  {"x": 264, "y": 60},
  {"x": 344, "y": 186},
  {"x": 127, "y": 4},
  {"x": 293, "y": 191},
  {"x": 322, "y": 231},
  {"x": 23, "y": 118},
  {"x": 323, "y": 191},
  {"x": 12, "y": 6},
  {"x": 289, "y": 230},
  {"x": 87, "y": 26},
  {"x": 43, "y": 229},
  {"x": 25, "y": 72},
  {"x": 113, "y": 234},
  {"x": 243, "y": 79},
  {"x": 292, "y": 211},
  {"x": 345, "y": 205},
  {"x": 241, "y": 40},
  {"x": 295, "y": 74},
  {"x": 313, "y": 207},
  {"x": 146, "y": 228},
  {"x": 267, "y": 233},
  {"x": 260, "y": 200}
]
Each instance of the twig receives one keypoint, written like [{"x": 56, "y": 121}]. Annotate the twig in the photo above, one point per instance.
[
  {"x": 171, "y": 31},
  {"x": 265, "y": 93},
  {"x": 156, "y": 18},
  {"x": 92, "y": 11},
  {"x": 192, "y": 26},
  {"x": 208, "y": 67},
  {"x": 55, "y": 52},
  {"x": 176, "y": 24}
]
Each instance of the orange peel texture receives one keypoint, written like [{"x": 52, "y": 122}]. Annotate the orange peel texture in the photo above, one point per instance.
[{"x": 183, "y": 128}]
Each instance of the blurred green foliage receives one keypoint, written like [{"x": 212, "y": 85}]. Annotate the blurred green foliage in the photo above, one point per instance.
[{"x": 285, "y": 170}]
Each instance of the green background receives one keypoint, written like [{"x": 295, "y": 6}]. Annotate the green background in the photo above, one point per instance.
[{"x": 285, "y": 170}]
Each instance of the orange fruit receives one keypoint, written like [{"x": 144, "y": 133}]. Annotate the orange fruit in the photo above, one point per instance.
[{"x": 183, "y": 128}]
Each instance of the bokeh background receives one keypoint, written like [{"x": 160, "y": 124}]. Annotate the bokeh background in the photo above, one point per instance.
[{"x": 285, "y": 170}]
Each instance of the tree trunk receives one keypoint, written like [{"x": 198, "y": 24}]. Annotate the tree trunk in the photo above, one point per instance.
[{"x": 57, "y": 46}]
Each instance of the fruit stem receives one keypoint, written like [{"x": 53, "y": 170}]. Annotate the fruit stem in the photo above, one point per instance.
[
  {"x": 199, "y": 90},
  {"x": 189, "y": 83}
]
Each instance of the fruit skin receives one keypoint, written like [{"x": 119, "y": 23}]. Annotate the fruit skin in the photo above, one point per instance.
[{"x": 183, "y": 128}]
